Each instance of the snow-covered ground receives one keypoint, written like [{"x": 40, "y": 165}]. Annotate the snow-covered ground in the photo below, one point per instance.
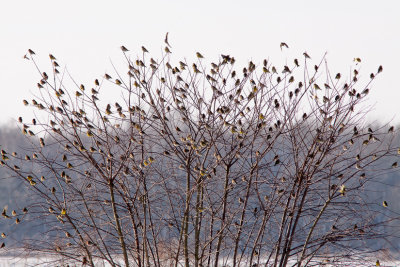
[{"x": 10, "y": 261}]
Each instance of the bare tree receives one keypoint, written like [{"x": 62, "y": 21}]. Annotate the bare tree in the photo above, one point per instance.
[{"x": 202, "y": 166}]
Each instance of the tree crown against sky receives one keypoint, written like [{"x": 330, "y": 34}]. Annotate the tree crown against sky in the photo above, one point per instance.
[{"x": 200, "y": 163}]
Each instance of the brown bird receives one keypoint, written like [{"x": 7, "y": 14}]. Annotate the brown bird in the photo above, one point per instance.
[
  {"x": 283, "y": 45},
  {"x": 306, "y": 55},
  {"x": 166, "y": 40},
  {"x": 124, "y": 49}
]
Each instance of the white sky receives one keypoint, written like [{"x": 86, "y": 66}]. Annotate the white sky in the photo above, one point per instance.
[{"x": 84, "y": 35}]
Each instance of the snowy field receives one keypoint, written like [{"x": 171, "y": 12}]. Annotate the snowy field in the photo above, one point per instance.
[{"x": 9, "y": 261}]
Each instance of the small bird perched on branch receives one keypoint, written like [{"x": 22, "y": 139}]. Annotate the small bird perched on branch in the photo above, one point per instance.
[
  {"x": 283, "y": 44},
  {"x": 166, "y": 40}
]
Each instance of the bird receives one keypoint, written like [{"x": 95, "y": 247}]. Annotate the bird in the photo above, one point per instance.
[
  {"x": 283, "y": 44},
  {"x": 166, "y": 49},
  {"x": 124, "y": 49},
  {"x": 30, "y": 51},
  {"x": 306, "y": 55},
  {"x": 199, "y": 55},
  {"x": 385, "y": 204},
  {"x": 296, "y": 62},
  {"x": 195, "y": 69},
  {"x": 166, "y": 40},
  {"x": 84, "y": 261},
  {"x": 342, "y": 189},
  {"x": 380, "y": 69},
  {"x": 377, "y": 263},
  {"x": 144, "y": 49}
]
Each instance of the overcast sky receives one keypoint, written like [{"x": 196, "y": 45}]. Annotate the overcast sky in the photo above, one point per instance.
[{"x": 86, "y": 35}]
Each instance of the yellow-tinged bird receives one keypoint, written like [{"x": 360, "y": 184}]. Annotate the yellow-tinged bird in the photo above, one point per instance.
[
  {"x": 199, "y": 55},
  {"x": 63, "y": 212},
  {"x": 385, "y": 204},
  {"x": 166, "y": 49},
  {"x": 342, "y": 190},
  {"x": 52, "y": 57},
  {"x": 195, "y": 69},
  {"x": 377, "y": 263}
]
